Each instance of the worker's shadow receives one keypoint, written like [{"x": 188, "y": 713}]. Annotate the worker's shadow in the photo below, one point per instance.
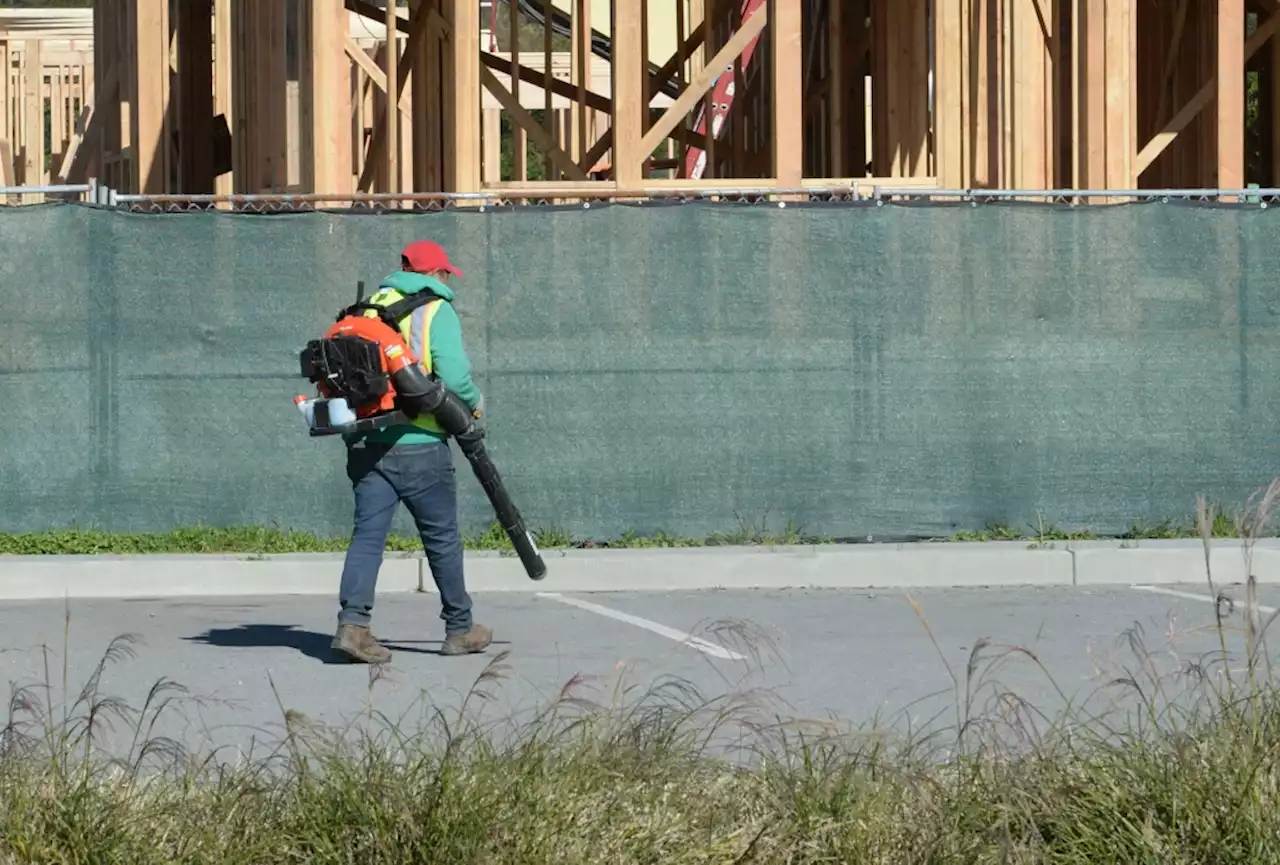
[{"x": 313, "y": 644}]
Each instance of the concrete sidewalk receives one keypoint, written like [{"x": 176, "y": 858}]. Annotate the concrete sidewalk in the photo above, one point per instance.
[{"x": 834, "y": 566}]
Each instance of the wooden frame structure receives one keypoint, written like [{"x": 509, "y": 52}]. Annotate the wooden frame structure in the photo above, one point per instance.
[
  {"x": 46, "y": 82},
  {"x": 290, "y": 96}
]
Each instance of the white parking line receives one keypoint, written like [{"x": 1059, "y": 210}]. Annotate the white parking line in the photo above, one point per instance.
[
  {"x": 1192, "y": 596},
  {"x": 704, "y": 646}
]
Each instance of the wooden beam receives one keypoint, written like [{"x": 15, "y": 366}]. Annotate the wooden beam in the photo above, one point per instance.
[
  {"x": 629, "y": 64},
  {"x": 1162, "y": 139},
  {"x": 788, "y": 92},
  {"x": 542, "y": 139},
  {"x": 750, "y": 29},
  {"x": 1230, "y": 94},
  {"x": 537, "y": 79}
]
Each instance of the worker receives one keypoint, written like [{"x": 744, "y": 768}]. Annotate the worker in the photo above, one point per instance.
[{"x": 412, "y": 463}]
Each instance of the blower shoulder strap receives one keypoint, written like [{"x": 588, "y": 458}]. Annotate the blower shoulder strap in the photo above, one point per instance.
[{"x": 393, "y": 312}]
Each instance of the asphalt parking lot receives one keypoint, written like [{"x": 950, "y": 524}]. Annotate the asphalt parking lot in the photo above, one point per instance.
[{"x": 851, "y": 655}]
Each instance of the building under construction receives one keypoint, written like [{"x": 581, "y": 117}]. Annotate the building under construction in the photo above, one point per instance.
[{"x": 562, "y": 98}]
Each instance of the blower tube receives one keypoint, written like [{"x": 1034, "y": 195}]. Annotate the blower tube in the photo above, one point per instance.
[{"x": 420, "y": 393}]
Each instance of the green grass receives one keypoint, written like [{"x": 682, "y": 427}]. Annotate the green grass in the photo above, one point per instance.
[
  {"x": 1225, "y": 525},
  {"x": 263, "y": 540},
  {"x": 266, "y": 540},
  {"x": 627, "y": 776}
]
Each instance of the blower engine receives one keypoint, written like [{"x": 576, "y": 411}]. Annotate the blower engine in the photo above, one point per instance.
[{"x": 369, "y": 379}]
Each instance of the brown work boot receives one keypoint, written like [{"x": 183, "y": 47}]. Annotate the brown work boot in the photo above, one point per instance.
[
  {"x": 475, "y": 640},
  {"x": 358, "y": 644}
]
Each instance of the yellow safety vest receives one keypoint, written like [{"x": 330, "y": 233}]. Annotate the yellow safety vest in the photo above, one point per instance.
[{"x": 416, "y": 330}]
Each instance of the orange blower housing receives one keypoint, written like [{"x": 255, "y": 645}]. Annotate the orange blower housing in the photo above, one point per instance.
[
  {"x": 366, "y": 361},
  {"x": 366, "y": 341}
]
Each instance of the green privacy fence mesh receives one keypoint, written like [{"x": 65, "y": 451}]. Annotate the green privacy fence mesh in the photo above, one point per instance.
[{"x": 889, "y": 371}]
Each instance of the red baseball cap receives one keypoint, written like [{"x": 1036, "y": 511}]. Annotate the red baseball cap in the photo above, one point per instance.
[{"x": 426, "y": 255}]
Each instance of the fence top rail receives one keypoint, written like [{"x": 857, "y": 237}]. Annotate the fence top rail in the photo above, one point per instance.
[
  {"x": 552, "y": 191},
  {"x": 916, "y": 191},
  {"x": 560, "y": 195},
  {"x": 44, "y": 190}
]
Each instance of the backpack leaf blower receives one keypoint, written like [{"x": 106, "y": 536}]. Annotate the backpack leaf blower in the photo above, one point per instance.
[{"x": 369, "y": 379}]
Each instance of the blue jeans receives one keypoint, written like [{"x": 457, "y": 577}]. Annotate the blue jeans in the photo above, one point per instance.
[{"x": 421, "y": 476}]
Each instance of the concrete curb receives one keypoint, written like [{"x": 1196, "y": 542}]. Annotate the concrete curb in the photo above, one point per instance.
[{"x": 859, "y": 566}]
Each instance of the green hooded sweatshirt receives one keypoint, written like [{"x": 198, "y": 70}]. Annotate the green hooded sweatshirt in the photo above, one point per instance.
[{"x": 449, "y": 359}]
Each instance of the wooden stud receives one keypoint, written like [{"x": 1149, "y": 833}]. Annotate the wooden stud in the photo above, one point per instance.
[
  {"x": 33, "y": 120},
  {"x": 6, "y": 98},
  {"x": 224, "y": 183},
  {"x": 492, "y": 132},
  {"x": 392, "y": 114},
  {"x": 463, "y": 98},
  {"x": 1230, "y": 94},
  {"x": 1273, "y": 84},
  {"x": 629, "y": 144},
  {"x": 949, "y": 90},
  {"x": 788, "y": 93},
  {"x": 424, "y": 50},
  {"x": 580, "y": 75},
  {"x": 328, "y": 95},
  {"x": 519, "y": 139}
]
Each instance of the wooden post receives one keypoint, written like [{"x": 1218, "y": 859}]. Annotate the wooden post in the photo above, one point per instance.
[
  {"x": 392, "y": 96},
  {"x": 492, "y": 167},
  {"x": 948, "y": 90},
  {"x": 328, "y": 95},
  {"x": 224, "y": 183},
  {"x": 1274, "y": 86},
  {"x": 1108, "y": 60},
  {"x": 427, "y": 100},
  {"x": 519, "y": 138},
  {"x": 580, "y": 76},
  {"x": 33, "y": 119},
  {"x": 788, "y": 92},
  {"x": 463, "y": 97},
  {"x": 6, "y": 99},
  {"x": 628, "y": 94},
  {"x": 1230, "y": 95}
]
